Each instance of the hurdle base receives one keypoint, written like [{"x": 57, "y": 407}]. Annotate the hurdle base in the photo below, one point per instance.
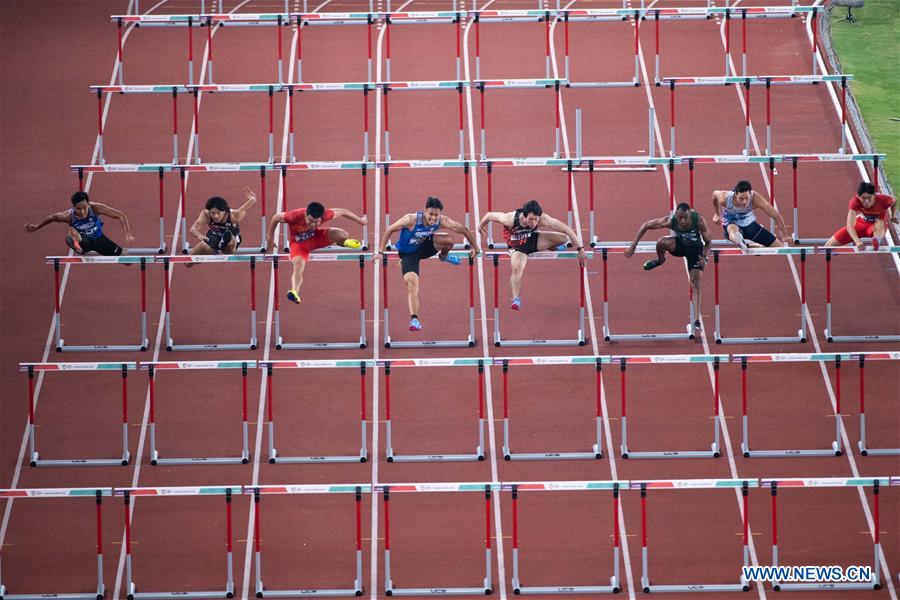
[
  {"x": 37, "y": 461},
  {"x": 288, "y": 460},
  {"x": 135, "y": 595},
  {"x": 206, "y": 460},
  {"x": 612, "y": 588},
  {"x": 748, "y": 453},
  {"x": 466, "y": 343},
  {"x": 280, "y": 344},
  {"x": 261, "y": 592},
  {"x": 580, "y": 340},
  {"x": 98, "y": 595},
  {"x": 593, "y": 455},
  {"x": 484, "y": 590},
  {"x": 644, "y": 337},
  {"x": 799, "y": 338},
  {"x": 860, "y": 338},
  {"x": 647, "y": 588},
  {"x": 811, "y": 587},
  {"x": 877, "y": 451},
  {"x": 477, "y": 456},
  {"x": 142, "y": 347},
  {"x": 713, "y": 452},
  {"x": 173, "y": 347}
]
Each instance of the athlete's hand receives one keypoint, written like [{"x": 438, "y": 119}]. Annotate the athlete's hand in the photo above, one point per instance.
[
  {"x": 474, "y": 251},
  {"x": 30, "y": 227},
  {"x": 364, "y": 220},
  {"x": 251, "y": 195},
  {"x": 703, "y": 260},
  {"x": 860, "y": 246},
  {"x": 376, "y": 256},
  {"x": 629, "y": 252},
  {"x": 582, "y": 257},
  {"x": 717, "y": 218}
]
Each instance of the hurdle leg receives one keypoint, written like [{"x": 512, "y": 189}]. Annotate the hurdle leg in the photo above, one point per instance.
[
  {"x": 598, "y": 446},
  {"x": 877, "y": 538},
  {"x": 506, "y": 452},
  {"x": 57, "y": 326},
  {"x": 245, "y": 437},
  {"x": 130, "y": 588},
  {"x": 363, "y": 454},
  {"x": 358, "y": 582},
  {"x": 126, "y": 455},
  {"x": 197, "y": 123},
  {"x": 167, "y": 296},
  {"x": 515, "y": 540},
  {"x": 389, "y": 451},
  {"x": 496, "y": 301},
  {"x": 229, "y": 559},
  {"x": 488, "y": 587},
  {"x": 271, "y": 125},
  {"x": 388, "y": 584},
  {"x": 270, "y": 409},
  {"x": 276, "y": 316},
  {"x": 645, "y": 574},
  {"x": 624, "y": 446},
  {"x": 154, "y": 454},
  {"x": 716, "y": 425},
  {"x": 253, "y": 303},
  {"x": 481, "y": 377},
  {"x": 257, "y": 554}
]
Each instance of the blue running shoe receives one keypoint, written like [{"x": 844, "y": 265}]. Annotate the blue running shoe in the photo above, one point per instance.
[
  {"x": 516, "y": 303},
  {"x": 450, "y": 259},
  {"x": 561, "y": 247},
  {"x": 414, "y": 325}
]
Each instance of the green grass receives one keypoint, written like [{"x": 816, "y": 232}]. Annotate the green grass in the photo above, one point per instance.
[{"x": 870, "y": 50}]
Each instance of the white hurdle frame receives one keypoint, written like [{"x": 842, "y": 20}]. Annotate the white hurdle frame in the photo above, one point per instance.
[
  {"x": 280, "y": 344},
  {"x": 56, "y": 261},
  {"x": 486, "y": 587},
  {"x": 252, "y": 259},
  {"x": 391, "y": 456},
  {"x": 829, "y": 329},
  {"x": 614, "y": 582},
  {"x": 98, "y": 494},
  {"x": 864, "y": 449},
  {"x": 804, "y": 311},
  {"x": 596, "y": 451},
  {"x": 35, "y": 459},
  {"x": 269, "y": 368},
  {"x": 715, "y": 359},
  {"x": 153, "y": 367},
  {"x": 264, "y": 490},
  {"x": 144, "y": 492},
  {"x": 743, "y": 485},
  {"x": 578, "y": 340}
]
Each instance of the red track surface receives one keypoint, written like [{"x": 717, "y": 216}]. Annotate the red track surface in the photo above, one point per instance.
[{"x": 52, "y": 52}]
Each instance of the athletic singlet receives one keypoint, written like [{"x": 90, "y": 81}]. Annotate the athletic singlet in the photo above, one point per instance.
[
  {"x": 228, "y": 225},
  {"x": 732, "y": 215},
  {"x": 691, "y": 235},
  {"x": 411, "y": 239},
  {"x": 517, "y": 235},
  {"x": 90, "y": 227}
]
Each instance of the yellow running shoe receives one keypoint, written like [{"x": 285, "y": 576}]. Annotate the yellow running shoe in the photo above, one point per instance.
[
  {"x": 293, "y": 296},
  {"x": 351, "y": 243}
]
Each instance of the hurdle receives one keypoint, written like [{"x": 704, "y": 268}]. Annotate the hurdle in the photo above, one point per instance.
[
  {"x": 128, "y": 493},
  {"x": 316, "y": 256},
  {"x": 864, "y": 449},
  {"x": 829, "y": 328},
  {"x": 707, "y": 359},
  {"x": 578, "y": 340},
  {"x": 109, "y": 367},
  {"x": 743, "y": 485},
  {"x": 98, "y": 494},
  {"x": 597, "y": 447},
  {"x": 614, "y": 586},
  {"x": 835, "y": 449},
  {"x": 486, "y": 587},
  {"x": 469, "y": 341},
  {"x": 554, "y": 84},
  {"x": 266, "y": 490},
  {"x": 615, "y": 248},
  {"x": 829, "y": 482},
  {"x": 270, "y": 367},
  {"x": 213, "y": 258},
  {"x": 56, "y": 261},
  {"x": 153, "y": 367},
  {"x": 801, "y": 333},
  {"x": 478, "y": 455}
]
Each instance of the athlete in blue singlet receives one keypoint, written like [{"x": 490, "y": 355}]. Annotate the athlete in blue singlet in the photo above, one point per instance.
[
  {"x": 735, "y": 211},
  {"x": 421, "y": 238},
  {"x": 84, "y": 227}
]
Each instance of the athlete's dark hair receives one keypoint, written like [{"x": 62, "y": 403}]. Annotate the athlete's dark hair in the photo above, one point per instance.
[
  {"x": 683, "y": 206},
  {"x": 532, "y": 208},
  {"x": 743, "y": 186},
  {"x": 864, "y": 188},
  {"x": 218, "y": 203},
  {"x": 433, "y": 202},
  {"x": 315, "y": 210},
  {"x": 79, "y": 197}
]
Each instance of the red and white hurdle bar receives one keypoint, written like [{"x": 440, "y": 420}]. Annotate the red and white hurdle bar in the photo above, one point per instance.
[
  {"x": 56, "y": 261},
  {"x": 468, "y": 341},
  {"x": 478, "y": 455},
  {"x": 109, "y": 367},
  {"x": 153, "y": 367},
  {"x": 270, "y": 367},
  {"x": 251, "y": 259},
  {"x": 596, "y": 451},
  {"x": 704, "y": 359},
  {"x": 826, "y": 482},
  {"x": 487, "y": 585},
  {"x": 801, "y": 333},
  {"x": 227, "y": 491},
  {"x": 316, "y": 256},
  {"x": 614, "y": 582},
  {"x": 829, "y": 328},
  {"x": 268, "y": 490},
  {"x": 743, "y": 485},
  {"x": 578, "y": 340},
  {"x": 98, "y": 494}
]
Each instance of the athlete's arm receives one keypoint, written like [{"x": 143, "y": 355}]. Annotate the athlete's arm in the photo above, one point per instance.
[
  {"x": 60, "y": 217},
  {"x": 113, "y": 213},
  {"x": 707, "y": 238},
  {"x": 238, "y": 214},
  {"x": 274, "y": 222},
  {"x": 659, "y": 223},
  {"x": 717, "y": 204},
  {"x": 404, "y": 222},
  {"x": 497, "y": 217},
  {"x": 343, "y": 212},
  {"x": 760, "y": 202},
  {"x": 573, "y": 237},
  {"x": 851, "y": 229},
  {"x": 448, "y": 223},
  {"x": 200, "y": 226}
]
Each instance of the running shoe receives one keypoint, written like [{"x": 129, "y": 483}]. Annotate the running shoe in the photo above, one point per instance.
[
  {"x": 652, "y": 264},
  {"x": 741, "y": 243},
  {"x": 697, "y": 325},
  {"x": 875, "y": 244},
  {"x": 293, "y": 296},
  {"x": 414, "y": 325},
  {"x": 351, "y": 243},
  {"x": 516, "y": 303},
  {"x": 561, "y": 247},
  {"x": 450, "y": 259},
  {"x": 72, "y": 243}
]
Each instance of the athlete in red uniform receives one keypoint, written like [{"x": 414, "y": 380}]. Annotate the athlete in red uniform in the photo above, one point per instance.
[
  {"x": 867, "y": 217},
  {"x": 306, "y": 236}
]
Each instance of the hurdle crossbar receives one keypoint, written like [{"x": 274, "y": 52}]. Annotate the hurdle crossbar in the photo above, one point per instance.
[
  {"x": 120, "y": 367},
  {"x": 864, "y": 448},
  {"x": 468, "y": 341},
  {"x": 597, "y": 447},
  {"x": 829, "y": 330},
  {"x": 614, "y": 585},
  {"x": 578, "y": 340},
  {"x": 392, "y": 456},
  {"x": 743, "y": 485},
  {"x": 56, "y": 261},
  {"x": 269, "y": 368},
  {"x": 361, "y": 342},
  {"x": 98, "y": 494},
  {"x": 357, "y": 489},
  {"x": 486, "y": 586},
  {"x": 252, "y": 259},
  {"x": 875, "y": 483},
  {"x": 227, "y": 491},
  {"x": 153, "y": 367},
  {"x": 801, "y": 333},
  {"x": 715, "y": 360}
]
